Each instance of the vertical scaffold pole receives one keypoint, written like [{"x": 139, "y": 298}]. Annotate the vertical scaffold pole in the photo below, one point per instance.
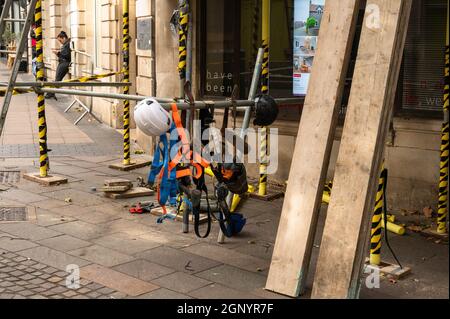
[
  {"x": 182, "y": 47},
  {"x": 445, "y": 145},
  {"x": 126, "y": 79},
  {"x": 265, "y": 90},
  {"x": 377, "y": 221},
  {"x": 43, "y": 160}
]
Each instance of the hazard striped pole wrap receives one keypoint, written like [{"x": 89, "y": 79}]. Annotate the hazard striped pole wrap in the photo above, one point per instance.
[
  {"x": 445, "y": 147},
  {"x": 377, "y": 220},
  {"x": 256, "y": 42},
  {"x": 183, "y": 32},
  {"x": 126, "y": 79},
  {"x": 42, "y": 121},
  {"x": 263, "y": 177}
]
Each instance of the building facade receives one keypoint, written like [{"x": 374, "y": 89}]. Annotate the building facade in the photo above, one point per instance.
[{"x": 226, "y": 35}]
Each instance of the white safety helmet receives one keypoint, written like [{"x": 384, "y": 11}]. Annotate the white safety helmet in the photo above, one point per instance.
[{"x": 151, "y": 118}]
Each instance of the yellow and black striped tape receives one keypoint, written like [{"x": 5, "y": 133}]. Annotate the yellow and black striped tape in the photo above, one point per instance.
[
  {"x": 377, "y": 220},
  {"x": 183, "y": 34},
  {"x": 42, "y": 122},
  {"x": 19, "y": 91},
  {"x": 445, "y": 153},
  {"x": 126, "y": 79}
]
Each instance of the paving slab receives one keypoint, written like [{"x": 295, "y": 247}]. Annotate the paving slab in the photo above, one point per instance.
[
  {"x": 117, "y": 280},
  {"x": 15, "y": 244},
  {"x": 181, "y": 282},
  {"x": 144, "y": 270},
  {"x": 22, "y": 196},
  {"x": 178, "y": 260},
  {"x": 64, "y": 243},
  {"x": 50, "y": 203},
  {"x": 46, "y": 218},
  {"x": 102, "y": 256},
  {"x": 234, "y": 278},
  {"x": 229, "y": 257},
  {"x": 220, "y": 292},
  {"x": 81, "y": 230},
  {"x": 53, "y": 257},
  {"x": 77, "y": 197},
  {"x": 164, "y": 294},
  {"x": 28, "y": 231},
  {"x": 126, "y": 243}
]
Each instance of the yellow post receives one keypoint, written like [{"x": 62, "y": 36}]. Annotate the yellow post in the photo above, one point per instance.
[
  {"x": 40, "y": 77},
  {"x": 445, "y": 146},
  {"x": 265, "y": 90},
  {"x": 377, "y": 221},
  {"x": 126, "y": 79}
]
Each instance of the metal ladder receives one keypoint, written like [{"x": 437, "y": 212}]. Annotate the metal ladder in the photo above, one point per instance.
[{"x": 19, "y": 52}]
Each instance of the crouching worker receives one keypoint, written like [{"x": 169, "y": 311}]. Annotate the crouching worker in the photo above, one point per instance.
[{"x": 64, "y": 60}]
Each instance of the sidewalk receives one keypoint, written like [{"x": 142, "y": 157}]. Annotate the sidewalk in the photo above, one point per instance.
[{"x": 125, "y": 256}]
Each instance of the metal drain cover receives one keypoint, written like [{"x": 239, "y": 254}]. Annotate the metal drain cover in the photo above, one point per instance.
[
  {"x": 9, "y": 177},
  {"x": 13, "y": 214}
]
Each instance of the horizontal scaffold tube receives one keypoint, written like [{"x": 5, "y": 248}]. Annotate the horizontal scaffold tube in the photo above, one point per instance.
[
  {"x": 66, "y": 84},
  {"x": 167, "y": 102}
]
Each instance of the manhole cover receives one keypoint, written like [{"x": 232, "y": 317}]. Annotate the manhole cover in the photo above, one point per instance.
[
  {"x": 13, "y": 214},
  {"x": 9, "y": 177}
]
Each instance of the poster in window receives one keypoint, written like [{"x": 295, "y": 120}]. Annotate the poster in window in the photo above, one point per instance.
[{"x": 307, "y": 19}]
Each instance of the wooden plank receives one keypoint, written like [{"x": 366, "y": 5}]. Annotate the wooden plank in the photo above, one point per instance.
[
  {"x": 345, "y": 241},
  {"x": 115, "y": 189},
  {"x": 133, "y": 193},
  {"x": 46, "y": 181},
  {"x": 292, "y": 252},
  {"x": 118, "y": 182},
  {"x": 131, "y": 167}
]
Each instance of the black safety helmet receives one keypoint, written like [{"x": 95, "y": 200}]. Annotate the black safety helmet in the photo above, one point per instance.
[{"x": 266, "y": 111}]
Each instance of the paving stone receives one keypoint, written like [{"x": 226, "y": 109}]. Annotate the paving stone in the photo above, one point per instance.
[
  {"x": 234, "y": 278},
  {"x": 169, "y": 239},
  {"x": 164, "y": 294},
  {"x": 39, "y": 266},
  {"x": 125, "y": 226},
  {"x": 181, "y": 282},
  {"x": 81, "y": 230},
  {"x": 80, "y": 198},
  {"x": 102, "y": 256},
  {"x": 178, "y": 260},
  {"x": 116, "y": 280},
  {"x": 229, "y": 257},
  {"x": 83, "y": 291},
  {"x": 55, "y": 279},
  {"x": 37, "y": 281},
  {"x": 105, "y": 291},
  {"x": 38, "y": 297},
  {"x": 93, "y": 295},
  {"x": 28, "y": 231},
  {"x": 50, "y": 203},
  {"x": 49, "y": 270},
  {"x": 126, "y": 243},
  {"x": 53, "y": 258},
  {"x": 27, "y": 277},
  {"x": 144, "y": 270},
  {"x": 17, "y": 273},
  {"x": 22, "y": 196},
  {"x": 46, "y": 218},
  {"x": 80, "y": 297},
  {"x": 64, "y": 243},
  {"x": 26, "y": 293},
  {"x": 70, "y": 294},
  {"x": 48, "y": 285},
  {"x": 220, "y": 292}
]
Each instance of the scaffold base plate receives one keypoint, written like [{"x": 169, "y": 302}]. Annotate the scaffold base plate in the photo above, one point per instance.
[
  {"x": 131, "y": 167},
  {"x": 390, "y": 270}
]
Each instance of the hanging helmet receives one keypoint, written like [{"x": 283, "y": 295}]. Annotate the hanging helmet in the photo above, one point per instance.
[
  {"x": 266, "y": 111},
  {"x": 151, "y": 118}
]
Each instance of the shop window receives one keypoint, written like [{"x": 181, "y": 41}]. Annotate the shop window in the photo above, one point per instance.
[
  {"x": 230, "y": 32},
  {"x": 422, "y": 76}
]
